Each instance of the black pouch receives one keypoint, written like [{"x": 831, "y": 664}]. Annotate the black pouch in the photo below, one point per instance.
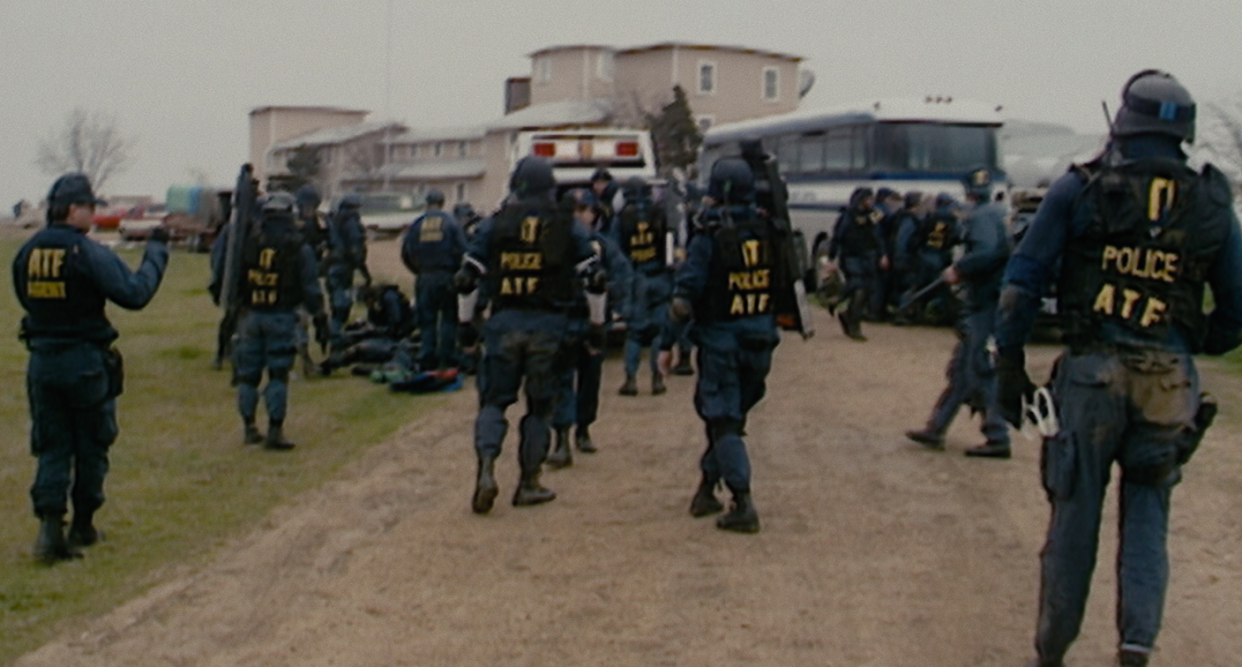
[
  {"x": 1058, "y": 465},
  {"x": 1189, "y": 444},
  {"x": 752, "y": 342},
  {"x": 114, "y": 368}
]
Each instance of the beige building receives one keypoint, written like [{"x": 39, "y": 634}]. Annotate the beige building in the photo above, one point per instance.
[{"x": 571, "y": 86}]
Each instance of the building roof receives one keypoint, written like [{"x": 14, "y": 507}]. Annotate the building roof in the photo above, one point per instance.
[
  {"x": 420, "y": 135},
  {"x": 433, "y": 169},
  {"x": 664, "y": 46},
  {"x": 336, "y": 134},
  {"x": 569, "y": 47},
  {"x": 556, "y": 114},
  {"x": 294, "y": 107}
]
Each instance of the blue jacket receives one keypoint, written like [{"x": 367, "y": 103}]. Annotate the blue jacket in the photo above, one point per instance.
[{"x": 431, "y": 247}]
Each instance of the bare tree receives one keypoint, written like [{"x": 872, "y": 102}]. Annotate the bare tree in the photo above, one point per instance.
[
  {"x": 1219, "y": 135},
  {"x": 87, "y": 142}
]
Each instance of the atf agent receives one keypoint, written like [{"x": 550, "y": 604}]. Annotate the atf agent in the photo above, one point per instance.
[
  {"x": 432, "y": 251},
  {"x": 347, "y": 254},
  {"x": 971, "y": 378},
  {"x": 930, "y": 245},
  {"x": 904, "y": 251},
  {"x": 1138, "y": 235},
  {"x": 729, "y": 285},
  {"x": 859, "y": 244},
  {"x": 278, "y": 276},
  {"x": 63, "y": 280},
  {"x": 529, "y": 256},
  {"x": 314, "y": 231},
  {"x": 642, "y": 233},
  {"x": 583, "y": 357}
]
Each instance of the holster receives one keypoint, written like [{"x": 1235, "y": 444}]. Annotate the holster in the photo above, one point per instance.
[
  {"x": 114, "y": 369},
  {"x": 1191, "y": 439}
]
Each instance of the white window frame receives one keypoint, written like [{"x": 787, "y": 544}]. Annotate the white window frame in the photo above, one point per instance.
[
  {"x": 543, "y": 69},
  {"x": 776, "y": 84},
  {"x": 463, "y": 148},
  {"x": 698, "y": 77}
]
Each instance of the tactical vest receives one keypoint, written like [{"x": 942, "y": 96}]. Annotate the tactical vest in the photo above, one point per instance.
[
  {"x": 936, "y": 233},
  {"x": 642, "y": 232},
  {"x": 861, "y": 235},
  {"x": 271, "y": 277},
  {"x": 746, "y": 274},
  {"x": 53, "y": 283},
  {"x": 1153, "y": 228},
  {"x": 531, "y": 258},
  {"x": 432, "y": 247}
]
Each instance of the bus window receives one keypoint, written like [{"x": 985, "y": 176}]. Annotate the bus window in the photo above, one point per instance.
[
  {"x": 811, "y": 153},
  {"x": 839, "y": 149},
  {"x": 927, "y": 147},
  {"x": 786, "y": 150}
]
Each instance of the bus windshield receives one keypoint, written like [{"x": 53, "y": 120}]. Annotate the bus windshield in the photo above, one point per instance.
[{"x": 933, "y": 147}]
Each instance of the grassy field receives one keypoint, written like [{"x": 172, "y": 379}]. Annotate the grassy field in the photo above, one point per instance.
[{"x": 181, "y": 483}]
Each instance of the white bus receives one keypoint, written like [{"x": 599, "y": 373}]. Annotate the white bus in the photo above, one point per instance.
[
  {"x": 576, "y": 154},
  {"x": 925, "y": 145}
]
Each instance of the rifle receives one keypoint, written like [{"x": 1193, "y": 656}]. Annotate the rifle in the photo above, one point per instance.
[
  {"x": 923, "y": 291},
  {"x": 793, "y": 307},
  {"x": 239, "y": 230}
]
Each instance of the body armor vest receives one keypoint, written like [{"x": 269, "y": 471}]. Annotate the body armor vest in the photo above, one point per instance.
[
  {"x": 1153, "y": 230},
  {"x": 532, "y": 258},
  {"x": 271, "y": 273},
  {"x": 60, "y": 298},
  {"x": 936, "y": 233},
  {"x": 861, "y": 234},
  {"x": 433, "y": 249},
  {"x": 643, "y": 230},
  {"x": 746, "y": 275}
]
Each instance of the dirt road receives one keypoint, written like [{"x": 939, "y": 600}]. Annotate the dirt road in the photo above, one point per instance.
[{"x": 873, "y": 552}]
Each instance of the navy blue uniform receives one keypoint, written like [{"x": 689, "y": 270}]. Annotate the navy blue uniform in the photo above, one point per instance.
[
  {"x": 641, "y": 231},
  {"x": 1137, "y": 235},
  {"x": 859, "y": 244},
  {"x": 63, "y": 280},
  {"x": 347, "y": 255},
  {"x": 432, "y": 250}
]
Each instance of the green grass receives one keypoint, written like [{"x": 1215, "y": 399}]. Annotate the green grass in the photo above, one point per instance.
[{"x": 181, "y": 483}]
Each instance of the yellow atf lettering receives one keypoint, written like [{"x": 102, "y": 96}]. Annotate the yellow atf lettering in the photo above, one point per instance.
[
  {"x": 431, "y": 230},
  {"x": 530, "y": 230},
  {"x": 640, "y": 255},
  {"x": 45, "y": 262},
  {"x": 519, "y": 286},
  {"x": 521, "y": 261},
  {"x": 1151, "y": 314},
  {"x": 1129, "y": 298},
  {"x": 266, "y": 257},
  {"x": 1104, "y": 300},
  {"x": 1160, "y": 199},
  {"x": 738, "y": 307},
  {"x": 45, "y": 290},
  {"x": 751, "y": 252},
  {"x": 748, "y": 281}
]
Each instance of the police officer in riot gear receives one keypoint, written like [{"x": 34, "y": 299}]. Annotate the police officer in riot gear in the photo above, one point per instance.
[
  {"x": 729, "y": 286},
  {"x": 858, "y": 243},
  {"x": 1139, "y": 235},
  {"x": 604, "y": 189},
  {"x": 930, "y": 247},
  {"x": 971, "y": 378},
  {"x": 432, "y": 251},
  {"x": 314, "y": 231},
  {"x": 642, "y": 233},
  {"x": 529, "y": 256},
  {"x": 346, "y": 255},
  {"x": 63, "y": 280},
  {"x": 278, "y": 276}
]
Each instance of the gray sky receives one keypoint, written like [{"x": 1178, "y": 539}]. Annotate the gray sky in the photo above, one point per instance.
[{"x": 181, "y": 75}]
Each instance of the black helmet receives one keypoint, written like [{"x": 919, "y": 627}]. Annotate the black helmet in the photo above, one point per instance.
[
  {"x": 73, "y": 189},
  {"x": 601, "y": 174},
  {"x": 308, "y": 195},
  {"x": 859, "y": 194},
  {"x": 1154, "y": 101},
  {"x": 978, "y": 182},
  {"x": 278, "y": 203},
  {"x": 913, "y": 198},
  {"x": 463, "y": 211},
  {"x": 532, "y": 177},
  {"x": 732, "y": 181},
  {"x": 886, "y": 193},
  {"x": 435, "y": 197},
  {"x": 350, "y": 201},
  {"x": 944, "y": 199},
  {"x": 634, "y": 187}
]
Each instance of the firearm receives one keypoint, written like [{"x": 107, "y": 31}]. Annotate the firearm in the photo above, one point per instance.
[
  {"x": 923, "y": 291},
  {"x": 239, "y": 230}
]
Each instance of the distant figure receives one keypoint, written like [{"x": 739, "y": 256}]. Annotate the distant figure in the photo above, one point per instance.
[{"x": 432, "y": 249}]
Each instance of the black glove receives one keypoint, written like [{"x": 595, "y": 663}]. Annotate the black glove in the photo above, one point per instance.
[
  {"x": 597, "y": 338},
  {"x": 1013, "y": 385},
  {"x": 322, "y": 332},
  {"x": 467, "y": 335},
  {"x": 159, "y": 234},
  {"x": 466, "y": 279}
]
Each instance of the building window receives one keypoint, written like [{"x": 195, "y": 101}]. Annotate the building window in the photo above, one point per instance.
[
  {"x": 543, "y": 69},
  {"x": 439, "y": 150},
  {"x": 462, "y": 149},
  {"x": 604, "y": 66},
  {"x": 705, "y": 123},
  {"x": 771, "y": 84},
  {"x": 707, "y": 77},
  {"x": 461, "y": 192}
]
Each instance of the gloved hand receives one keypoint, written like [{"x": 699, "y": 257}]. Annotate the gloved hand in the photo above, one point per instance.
[
  {"x": 597, "y": 339},
  {"x": 467, "y": 336},
  {"x": 466, "y": 279},
  {"x": 680, "y": 310},
  {"x": 1012, "y": 385},
  {"x": 159, "y": 234}
]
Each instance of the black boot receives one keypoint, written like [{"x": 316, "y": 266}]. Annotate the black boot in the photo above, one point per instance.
[
  {"x": 252, "y": 435},
  {"x": 82, "y": 532},
  {"x": 1131, "y": 658},
  {"x": 485, "y": 488},
  {"x": 276, "y": 439},
  {"x": 927, "y": 437},
  {"x": 51, "y": 545},
  {"x": 991, "y": 449},
  {"x": 582, "y": 438},
  {"x": 851, "y": 327},
  {"x": 657, "y": 384},
  {"x": 561, "y": 456},
  {"x": 630, "y": 388},
  {"x": 531, "y": 492},
  {"x": 741, "y": 517},
  {"x": 704, "y": 502},
  {"x": 683, "y": 366}
]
